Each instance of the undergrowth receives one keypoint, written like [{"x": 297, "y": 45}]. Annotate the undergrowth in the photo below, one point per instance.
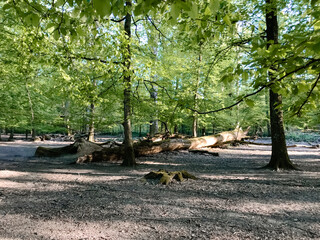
[{"x": 299, "y": 136}]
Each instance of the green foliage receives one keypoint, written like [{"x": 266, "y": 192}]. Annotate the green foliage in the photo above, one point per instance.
[
  {"x": 301, "y": 136},
  {"x": 56, "y": 60}
]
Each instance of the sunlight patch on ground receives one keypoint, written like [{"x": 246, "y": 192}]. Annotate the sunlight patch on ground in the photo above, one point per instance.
[
  {"x": 12, "y": 174},
  {"x": 77, "y": 177},
  {"x": 232, "y": 177},
  {"x": 15, "y": 185},
  {"x": 159, "y": 163},
  {"x": 267, "y": 209},
  {"x": 304, "y": 153},
  {"x": 69, "y": 228}
]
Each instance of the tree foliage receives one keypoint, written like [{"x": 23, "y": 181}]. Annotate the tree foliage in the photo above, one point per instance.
[{"x": 59, "y": 57}]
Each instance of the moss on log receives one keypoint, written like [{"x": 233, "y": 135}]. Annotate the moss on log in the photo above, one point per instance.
[{"x": 166, "y": 177}]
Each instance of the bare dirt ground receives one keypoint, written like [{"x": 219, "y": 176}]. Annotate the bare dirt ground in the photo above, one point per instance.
[{"x": 43, "y": 198}]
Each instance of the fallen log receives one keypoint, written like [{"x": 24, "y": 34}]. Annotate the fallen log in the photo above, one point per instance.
[
  {"x": 92, "y": 152},
  {"x": 80, "y": 147},
  {"x": 147, "y": 148}
]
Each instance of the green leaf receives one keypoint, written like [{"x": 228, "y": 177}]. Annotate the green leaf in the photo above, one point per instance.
[
  {"x": 175, "y": 11},
  {"x": 32, "y": 19},
  {"x": 56, "y": 35},
  {"x": 194, "y": 11},
  {"x": 102, "y": 7},
  {"x": 59, "y": 3},
  {"x": 214, "y": 6},
  {"x": 226, "y": 19},
  {"x": 249, "y": 102},
  {"x": 138, "y": 10},
  {"x": 75, "y": 13},
  {"x": 207, "y": 11}
]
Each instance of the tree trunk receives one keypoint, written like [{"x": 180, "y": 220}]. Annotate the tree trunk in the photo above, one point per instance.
[
  {"x": 128, "y": 156},
  {"x": 175, "y": 130},
  {"x": 11, "y": 137},
  {"x": 154, "y": 123},
  {"x": 195, "y": 115},
  {"x": 279, "y": 156},
  {"x": 203, "y": 131},
  {"x": 267, "y": 114},
  {"x": 33, "y": 133},
  {"x": 91, "y": 124},
  {"x": 67, "y": 118}
]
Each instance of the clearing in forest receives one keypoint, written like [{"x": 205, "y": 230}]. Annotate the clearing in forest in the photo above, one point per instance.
[{"x": 42, "y": 198}]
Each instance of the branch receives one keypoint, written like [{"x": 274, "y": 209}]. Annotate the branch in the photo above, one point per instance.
[
  {"x": 106, "y": 90},
  {"x": 152, "y": 82},
  {"x": 117, "y": 20},
  {"x": 136, "y": 28},
  {"x": 259, "y": 90},
  {"x": 228, "y": 48},
  {"x": 92, "y": 59},
  {"x": 150, "y": 20},
  {"x": 298, "y": 113}
]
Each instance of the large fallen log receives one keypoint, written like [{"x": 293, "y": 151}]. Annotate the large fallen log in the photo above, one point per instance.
[
  {"x": 80, "y": 147},
  {"x": 92, "y": 152},
  {"x": 147, "y": 148}
]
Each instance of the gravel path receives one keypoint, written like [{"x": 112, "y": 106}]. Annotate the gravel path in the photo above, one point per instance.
[{"x": 52, "y": 199}]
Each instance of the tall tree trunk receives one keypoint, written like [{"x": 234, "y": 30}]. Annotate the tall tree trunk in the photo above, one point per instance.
[
  {"x": 33, "y": 131},
  {"x": 154, "y": 124},
  {"x": 267, "y": 114},
  {"x": 67, "y": 117},
  {"x": 91, "y": 124},
  {"x": 92, "y": 114},
  {"x": 128, "y": 157},
  {"x": 279, "y": 156},
  {"x": 195, "y": 115},
  {"x": 27, "y": 133},
  {"x": 11, "y": 137}
]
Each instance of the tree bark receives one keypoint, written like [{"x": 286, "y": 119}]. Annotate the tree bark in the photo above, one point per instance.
[
  {"x": 195, "y": 115},
  {"x": 11, "y": 137},
  {"x": 154, "y": 123},
  {"x": 279, "y": 156},
  {"x": 147, "y": 148},
  {"x": 128, "y": 156},
  {"x": 33, "y": 131},
  {"x": 91, "y": 124}
]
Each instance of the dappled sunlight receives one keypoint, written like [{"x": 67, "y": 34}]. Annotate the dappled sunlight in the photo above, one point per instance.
[
  {"x": 50, "y": 181},
  {"x": 78, "y": 177},
  {"x": 12, "y": 174},
  {"x": 233, "y": 177},
  {"x": 276, "y": 207},
  {"x": 161, "y": 163}
]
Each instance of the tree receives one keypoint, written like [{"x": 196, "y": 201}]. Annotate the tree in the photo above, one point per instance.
[
  {"x": 279, "y": 155},
  {"x": 128, "y": 157}
]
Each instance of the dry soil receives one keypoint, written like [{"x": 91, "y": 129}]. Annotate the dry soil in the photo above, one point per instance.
[{"x": 42, "y": 198}]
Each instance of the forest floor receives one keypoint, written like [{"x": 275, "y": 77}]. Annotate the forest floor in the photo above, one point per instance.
[{"x": 42, "y": 198}]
